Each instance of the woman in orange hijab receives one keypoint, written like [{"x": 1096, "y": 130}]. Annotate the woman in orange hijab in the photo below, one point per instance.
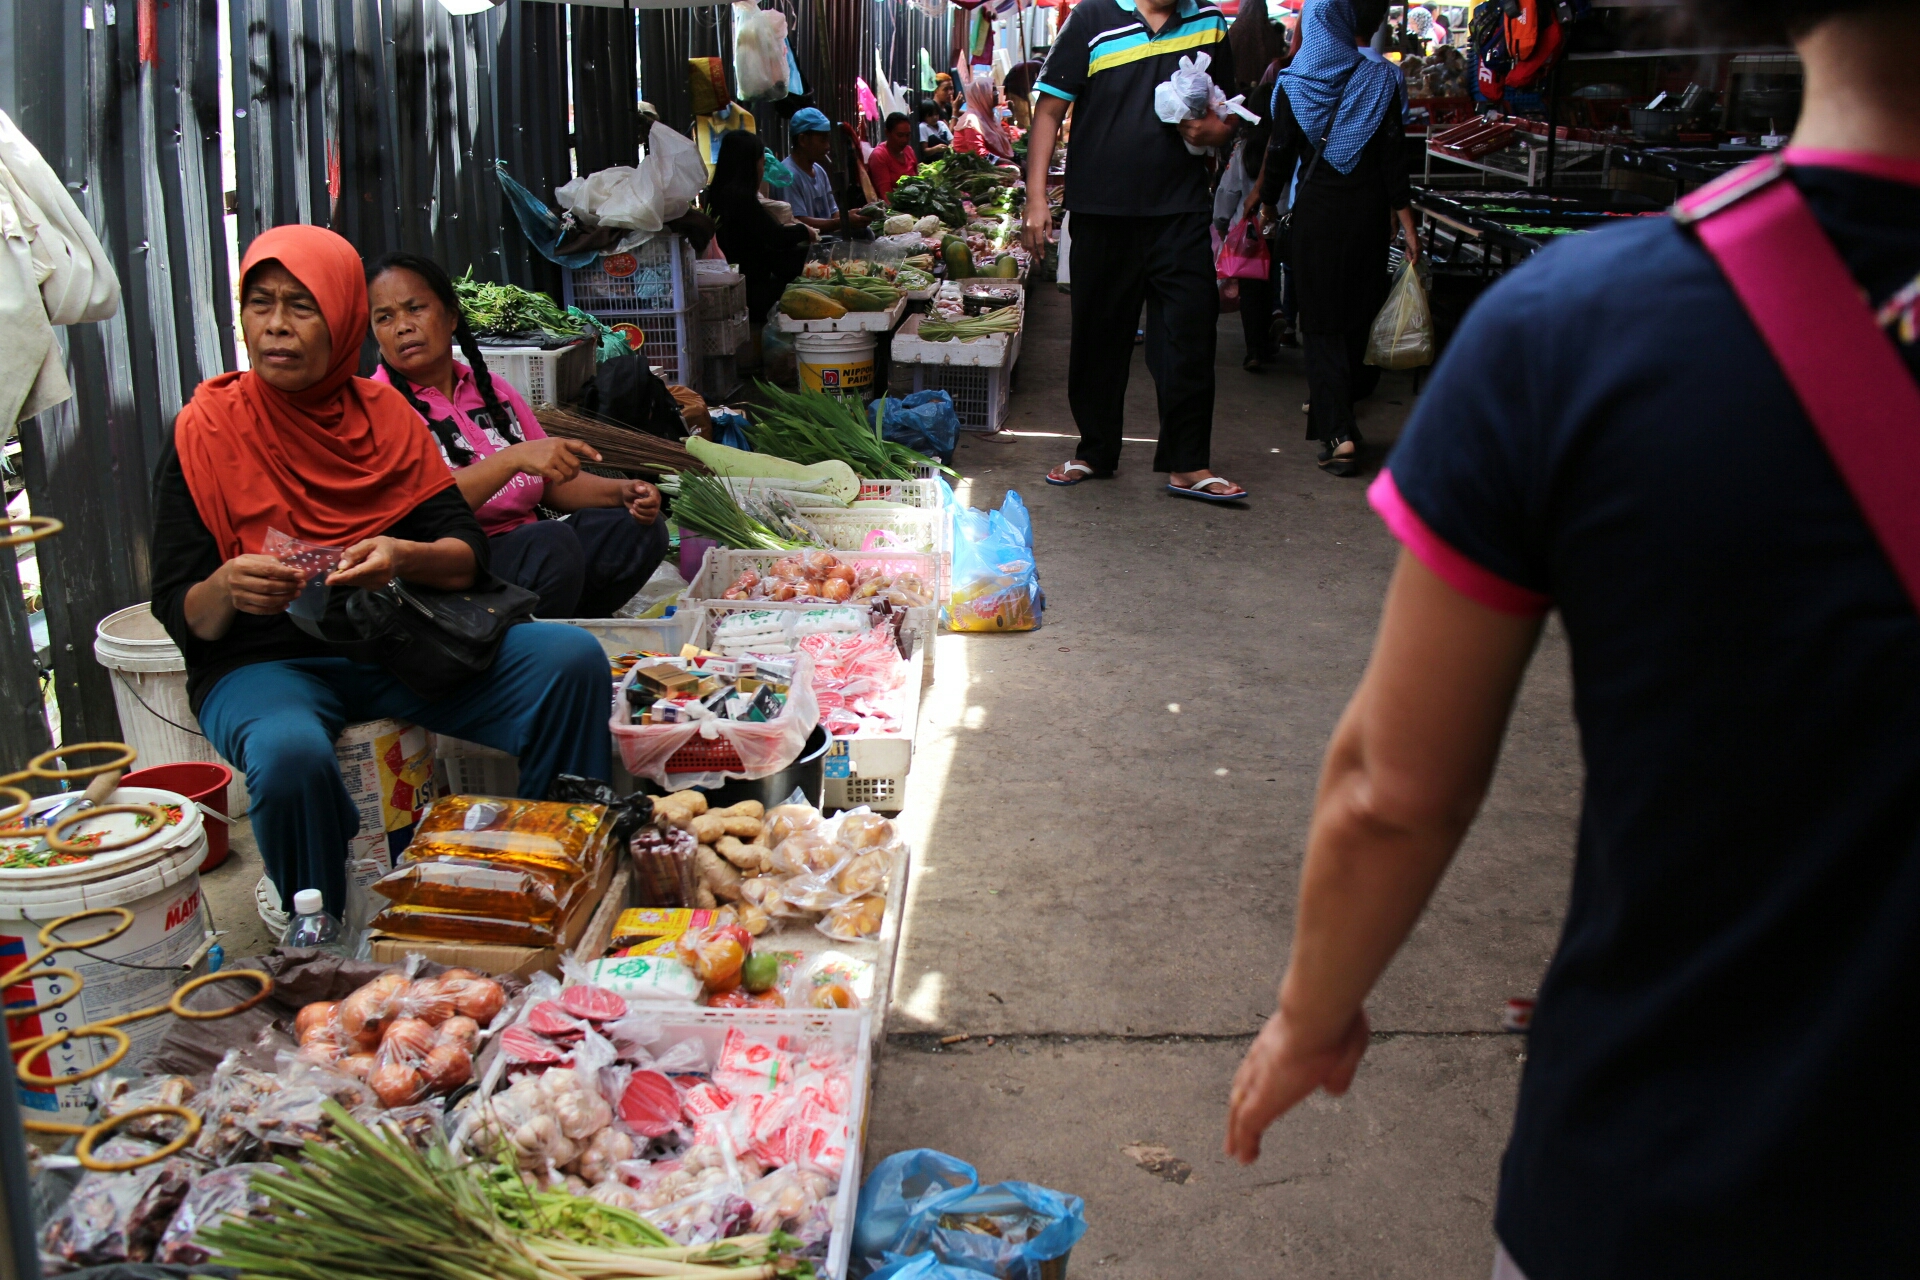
[{"x": 297, "y": 448}]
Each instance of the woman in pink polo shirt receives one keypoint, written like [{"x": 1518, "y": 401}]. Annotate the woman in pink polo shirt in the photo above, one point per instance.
[{"x": 609, "y": 539}]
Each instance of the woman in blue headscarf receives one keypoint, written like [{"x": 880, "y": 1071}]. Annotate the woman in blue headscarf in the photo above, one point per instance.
[{"x": 1337, "y": 129}]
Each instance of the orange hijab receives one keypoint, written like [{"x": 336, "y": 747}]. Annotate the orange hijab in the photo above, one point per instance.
[{"x": 336, "y": 463}]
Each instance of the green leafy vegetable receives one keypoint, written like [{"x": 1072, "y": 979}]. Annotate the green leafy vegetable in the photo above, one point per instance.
[{"x": 506, "y": 310}]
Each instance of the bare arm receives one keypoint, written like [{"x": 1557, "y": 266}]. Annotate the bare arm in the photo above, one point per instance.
[
  {"x": 554, "y": 459},
  {"x": 1410, "y": 230},
  {"x": 1404, "y": 776},
  {"x": 1047, "y": 116},
  {"x": 245, "y": 584},
  {"x": 587, "y": 490}
]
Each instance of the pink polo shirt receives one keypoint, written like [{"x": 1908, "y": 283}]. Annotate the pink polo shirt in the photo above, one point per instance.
[{"x": 513, "y": 505}]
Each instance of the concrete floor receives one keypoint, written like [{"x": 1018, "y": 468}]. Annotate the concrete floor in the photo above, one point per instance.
[{"x": 1108, "y": 815}]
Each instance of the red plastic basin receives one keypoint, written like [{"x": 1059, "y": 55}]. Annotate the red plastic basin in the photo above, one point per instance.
[{"x": 199, "y": 781}]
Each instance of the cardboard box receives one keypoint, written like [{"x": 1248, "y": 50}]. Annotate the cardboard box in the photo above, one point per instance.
[{"x": 588, "y": 932}]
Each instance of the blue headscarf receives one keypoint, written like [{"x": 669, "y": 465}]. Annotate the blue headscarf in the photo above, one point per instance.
[{"x": 1329, "y": 69}]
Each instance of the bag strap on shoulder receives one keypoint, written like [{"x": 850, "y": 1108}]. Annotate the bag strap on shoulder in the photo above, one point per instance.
[{"x": 1848, "y": 376}]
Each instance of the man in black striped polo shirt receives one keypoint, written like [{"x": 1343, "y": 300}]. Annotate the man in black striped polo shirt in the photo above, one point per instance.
[{"x": 1140, "y": 202}]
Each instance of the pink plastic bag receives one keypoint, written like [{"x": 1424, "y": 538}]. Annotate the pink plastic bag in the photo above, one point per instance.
[
  {"x": 1243, "y": 254},
  {"x": 764, "y": 748}
]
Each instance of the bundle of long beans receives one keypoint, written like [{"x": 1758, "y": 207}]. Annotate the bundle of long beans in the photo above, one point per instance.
[
  {"x": 999, "y": 320},
  {"x": 815, "y": 426},
  {"x": 374, "y": 1208},
  {"x": 620, "y": 447}
]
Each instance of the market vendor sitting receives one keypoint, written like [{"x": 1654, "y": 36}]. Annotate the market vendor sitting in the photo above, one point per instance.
[
  {"x": 611, "y": 538},
  {"x": 300, "y": 446},
  {"x": 811, "y": 191},
  {"x": 895, "y": 157},
  {"x": 770, "y": 255}
]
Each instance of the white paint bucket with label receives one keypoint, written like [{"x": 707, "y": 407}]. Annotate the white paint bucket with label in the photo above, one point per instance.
[{"x": 159, "y": 882}]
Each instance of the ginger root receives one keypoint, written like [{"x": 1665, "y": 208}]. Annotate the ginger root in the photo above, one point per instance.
[
  {"x": 745, "y": 809},
  {"x": 708, "y": 828},
  {"x": 715, "y": 875},
  {"x": 751, "y": 858},
  {"x": 680, "y": 808}
]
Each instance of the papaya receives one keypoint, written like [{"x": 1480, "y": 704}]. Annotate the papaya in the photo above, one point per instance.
[
  {"x": 1006, "y": 268},
  {"x": 854, "y": 299},
  {"x": 959, "y": 258},
  {"x": 802, "y": 303}
]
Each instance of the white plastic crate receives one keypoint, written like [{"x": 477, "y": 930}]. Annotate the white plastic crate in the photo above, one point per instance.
[
  {"x": 725, "y": 337},
  {"x": 923, "y": 493},
  {"x": 993, "y": 351},
  {"x": 979, "y": 394},
  {"x": 853, "y": 321},
  {"x": 644, "y": 635},
  {"x": 544, "y": 377},
  {"x": 670, "y": 342},
  {"x": 849, "y": 1031},
  {"x": 658, "y": 276},
  {"x": 723, "y": 564},
  {"x": 847, "y": 529},
  {"x": 722, "y": 293},
  {"x": 469, "y": 769},
  {"x": 871, "y": 769}
]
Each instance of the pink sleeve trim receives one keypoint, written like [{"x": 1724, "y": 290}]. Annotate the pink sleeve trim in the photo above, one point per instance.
[
  {"x": 1872, "y": 165},
  {"x": 1458, "y": 572}
]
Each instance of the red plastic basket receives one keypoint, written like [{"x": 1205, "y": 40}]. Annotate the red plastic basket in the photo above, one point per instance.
[{"x": 704, "y": 755}]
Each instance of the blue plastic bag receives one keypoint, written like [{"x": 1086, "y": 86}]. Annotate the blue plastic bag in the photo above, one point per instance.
[
  {"x": 731, "y": 428},
  {"x": 922, "y": 1266},
  {"x": 907, "y": 1195},
  {"x": 996, "y": 580},
  {"x": 924, "y": 421},
  {"x": 540, "y": 224}
]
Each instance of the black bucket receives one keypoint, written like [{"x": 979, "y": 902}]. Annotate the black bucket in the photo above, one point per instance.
[{"x": 808, "y": 772}]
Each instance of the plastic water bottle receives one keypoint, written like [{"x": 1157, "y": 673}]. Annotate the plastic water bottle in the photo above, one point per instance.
[{"x": 312, "y": 926}]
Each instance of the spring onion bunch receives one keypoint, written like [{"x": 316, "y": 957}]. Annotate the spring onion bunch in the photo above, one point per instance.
[
  {"x": 374, "y": 1208},
  {"x": 999, "y": 320},
  {"x": 816, "y": 426},
  {"x": 706, "y": 506}
]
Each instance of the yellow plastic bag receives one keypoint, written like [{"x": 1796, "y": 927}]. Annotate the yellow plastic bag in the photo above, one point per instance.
[{"x": 1402, "y": 335}]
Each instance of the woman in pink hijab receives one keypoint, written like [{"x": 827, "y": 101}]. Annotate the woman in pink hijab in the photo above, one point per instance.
[{"x": 979, "y": 113}]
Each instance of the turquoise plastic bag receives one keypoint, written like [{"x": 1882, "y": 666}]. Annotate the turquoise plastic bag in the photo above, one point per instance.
[
  {"x": 906, "y": 1197},
  {"x": 996, "y": 579},
  {"x": 922, "y": 1266}
]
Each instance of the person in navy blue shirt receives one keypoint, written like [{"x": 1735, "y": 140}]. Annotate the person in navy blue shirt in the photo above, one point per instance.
[{"x": 1719, "y": 1075}]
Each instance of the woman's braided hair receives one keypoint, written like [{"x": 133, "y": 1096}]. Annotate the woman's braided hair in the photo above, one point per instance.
[{"x": 458, "y": 452}]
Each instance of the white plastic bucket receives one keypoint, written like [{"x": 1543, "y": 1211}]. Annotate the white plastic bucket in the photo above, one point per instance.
[
  {"x": 150, "y": 693},
  {"x": 835, "y": 361},
  {"x": 159, "y": 882}
]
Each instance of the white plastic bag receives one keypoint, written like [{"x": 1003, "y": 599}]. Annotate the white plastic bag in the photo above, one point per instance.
[
  {"x": 1187, "y": 93},
  {"x": 759, "y": 52},
  {"x": 1402, "y": 335},
  {"x": 668, "y": 180}
]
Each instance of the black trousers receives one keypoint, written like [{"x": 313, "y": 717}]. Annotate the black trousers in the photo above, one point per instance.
[
  {"x": 1337, "y": 377},
  {"x": 585, "y": 566},
  {"x": 1256, "y": 317},
  {"x": 1118, "y": 263}
]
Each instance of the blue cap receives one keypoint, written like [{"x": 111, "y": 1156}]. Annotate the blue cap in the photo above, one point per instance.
[{"x": 809, "y": 120}]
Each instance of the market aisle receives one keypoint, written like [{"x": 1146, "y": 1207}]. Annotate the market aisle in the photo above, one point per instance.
[{"x": 1108, "y": 815}]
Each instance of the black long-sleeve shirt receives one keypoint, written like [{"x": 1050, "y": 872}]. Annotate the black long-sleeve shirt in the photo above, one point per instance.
[
  {"x": 185, "y": 553},
  {"x": 1383, "y": 160}
]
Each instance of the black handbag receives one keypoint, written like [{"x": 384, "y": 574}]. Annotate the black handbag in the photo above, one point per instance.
[{"x": 432, "y": 641}]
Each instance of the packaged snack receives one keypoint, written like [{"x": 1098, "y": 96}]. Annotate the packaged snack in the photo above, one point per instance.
[
  {"x": 663, "y": 866},
  {"x": 120, "y": 1094},
  {"x": 539, "y": 834},
  {"x": 854, "y": 920},
  {"x": 647, "y": 979},
  {"x": 216, "y": 1197},
  {"x": 116, "y": 1217},
  {"x": 649, "y": 930}
]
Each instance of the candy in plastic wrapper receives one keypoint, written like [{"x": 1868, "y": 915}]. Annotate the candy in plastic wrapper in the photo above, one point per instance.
[{"x": 218, "y": 1196}]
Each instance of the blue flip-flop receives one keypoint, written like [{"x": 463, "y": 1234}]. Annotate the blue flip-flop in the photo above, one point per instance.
[{"x": 1198, "y": 490}]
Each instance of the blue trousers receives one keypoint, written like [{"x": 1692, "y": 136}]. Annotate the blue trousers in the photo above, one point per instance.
[{"x": 545, "y": 699}]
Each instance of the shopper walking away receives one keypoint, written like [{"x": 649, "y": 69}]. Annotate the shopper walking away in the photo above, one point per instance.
[
  {"x": 1141, "y": 204},
  {"x": 1718, "y": 1080},
  {"x": 1336, "y": 123},
  {"x": 810, "y": 192},
  {"x": 1259, "y": 52}
]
